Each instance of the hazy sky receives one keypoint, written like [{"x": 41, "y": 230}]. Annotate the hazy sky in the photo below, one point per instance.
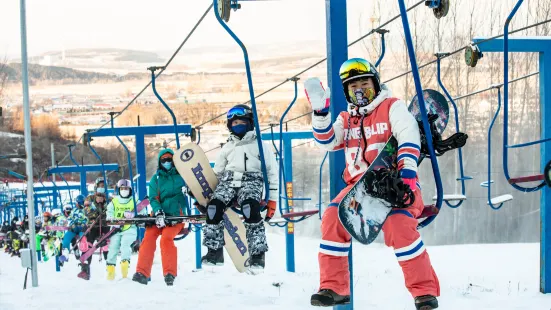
[{"x": 160, "y": 24}]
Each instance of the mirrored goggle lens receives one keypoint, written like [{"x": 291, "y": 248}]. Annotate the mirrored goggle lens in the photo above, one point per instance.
[
  {"x": 236, "y": 112},
  {"x": 355, "y": 67},
  {"x": 166, "y": 160}
]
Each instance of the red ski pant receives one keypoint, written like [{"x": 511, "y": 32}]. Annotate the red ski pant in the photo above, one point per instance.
[
  {"x": 169, "y": 253},
  {"x": 400, "y": 232}
]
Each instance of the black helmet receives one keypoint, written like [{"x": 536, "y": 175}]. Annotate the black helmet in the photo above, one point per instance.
[
  {"x": 356, "y": 68},
  {"x": 242, "y": 112}
]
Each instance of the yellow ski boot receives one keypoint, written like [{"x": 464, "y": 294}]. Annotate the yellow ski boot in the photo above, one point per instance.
[
  {"x": 110, "y": 272},
  {"x": 124, "y": 268}
]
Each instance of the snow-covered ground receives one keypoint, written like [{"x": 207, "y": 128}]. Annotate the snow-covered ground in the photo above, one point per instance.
[{"x": 503, "y": 276}]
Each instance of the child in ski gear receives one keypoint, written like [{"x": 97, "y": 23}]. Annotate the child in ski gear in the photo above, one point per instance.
[
  {"x": 94, "y": 209},
  {"x": 122, "y": 206},
  {"x": 166, "y": 199},
  {"x": 238, "y": 168},
  {"x": 76, "y": 222},
  {"x": 3, "y": 233},
  {"x": 10, "y": 235},
  {"x": 44, "y": 238},
  {"x": 373, "y": 116}
]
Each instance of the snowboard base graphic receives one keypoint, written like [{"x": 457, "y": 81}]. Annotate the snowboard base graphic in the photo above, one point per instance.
[
  {"x": 362, "y": 215},
  {"x": 194, "y": 167}
]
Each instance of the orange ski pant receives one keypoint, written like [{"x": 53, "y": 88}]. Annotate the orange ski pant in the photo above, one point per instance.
[
  {"x": 169, "y": 254},
  {"x": 400, "y": 232}
]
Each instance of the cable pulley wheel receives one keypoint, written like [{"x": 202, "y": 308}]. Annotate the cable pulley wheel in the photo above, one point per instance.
[
  {"x": 472, "y": 55},
  {"x": 442, "y": 9},
  {"x": 224, "y": 8}
]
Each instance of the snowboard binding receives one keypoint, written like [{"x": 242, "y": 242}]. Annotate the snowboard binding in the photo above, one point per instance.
[
  {"x": 440, "y": 146},
  {"x": 387, "y": 185}
]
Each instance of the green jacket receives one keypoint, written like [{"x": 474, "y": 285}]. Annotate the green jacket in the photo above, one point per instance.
[{"x": 165, "y": 190}]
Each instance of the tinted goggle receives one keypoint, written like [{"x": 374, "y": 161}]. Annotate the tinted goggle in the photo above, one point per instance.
[
  {"x": 237, "y": 112},
  {"x": 166, "y": 160},
  {"x": 351, "y": 68}
]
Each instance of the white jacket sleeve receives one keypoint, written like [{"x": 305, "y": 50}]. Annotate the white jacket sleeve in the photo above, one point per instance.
[
  {"x": 328, "y": 136},
  {"x": 272, "y": 170},
  {"x": 221, "y": 162},
  {"x": 406, "y": 131}
]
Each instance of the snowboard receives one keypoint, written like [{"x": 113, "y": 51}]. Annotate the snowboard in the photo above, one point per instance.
[
  {"x": 194, "y": 167},
  {"x": 55, "y": 228},
  {"x": 362, "y": 215},
  {"x": 98, "y": 244},
  {"x": 143, "y": 221},
  {"x": 435, "y": 103}
]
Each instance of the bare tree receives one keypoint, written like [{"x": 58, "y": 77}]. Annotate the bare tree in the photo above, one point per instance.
[{"x": 3, "y": 77}]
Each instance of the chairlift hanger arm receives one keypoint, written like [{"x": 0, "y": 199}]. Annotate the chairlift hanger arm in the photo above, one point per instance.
[
  {"x": 70, "y": 146},
  {"x": 321, "y": 181},
  {"x": 251, "y": 92},
  {"x": 154, "y": 87},
  {"x": 489, "y": 182},
  {"x": 506, "y": 105},
  {"x": 383, "y": 45},
  {"x": 89, "y": 138},
  {"x": 462, "y": 177},
  {"x": 423, "y": 110}
]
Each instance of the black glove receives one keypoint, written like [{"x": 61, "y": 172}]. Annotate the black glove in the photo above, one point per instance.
[
  {"x": 387, "y": 185},
  {"x": 160, "y": 219},
  {"x": 199, "y": 207}
]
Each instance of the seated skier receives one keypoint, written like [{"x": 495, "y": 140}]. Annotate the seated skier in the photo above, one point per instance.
[
  {"x": 76, "y": 224},
  {"x": 373, "y": 116},
  {"x": 238, "y": 169},
  {"x": 94, "y": 210},
  {"x": 166, "y": 199},
  {"x": 121, "y": 206}
]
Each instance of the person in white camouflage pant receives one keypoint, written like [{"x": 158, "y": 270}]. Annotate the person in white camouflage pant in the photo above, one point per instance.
[{"x": 238, "y": 168}]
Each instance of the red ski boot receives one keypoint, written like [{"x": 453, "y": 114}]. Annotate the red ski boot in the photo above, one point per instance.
[{"x": 85, "y": 272}]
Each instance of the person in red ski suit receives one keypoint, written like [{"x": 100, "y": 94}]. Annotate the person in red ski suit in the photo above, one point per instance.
[{"x": 373, "y": 116}]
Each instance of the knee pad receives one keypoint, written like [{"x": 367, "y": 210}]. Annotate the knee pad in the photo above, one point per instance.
[
  {"x": 215, "y": 211},
  {"x": 251, "y": 211}
]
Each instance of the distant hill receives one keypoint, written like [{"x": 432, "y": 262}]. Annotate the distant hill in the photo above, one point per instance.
[
  {"x": 71, "y": 76},
  {"x": 51, "y": 73}
]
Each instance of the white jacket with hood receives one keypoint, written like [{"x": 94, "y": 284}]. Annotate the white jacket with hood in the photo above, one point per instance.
[{"x": 242, "y": 155}]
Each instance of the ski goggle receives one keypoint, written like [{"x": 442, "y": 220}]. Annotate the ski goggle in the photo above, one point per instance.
[
  {"x": 237, "y": 112},
  {"x": 354, "y": 68},
  {"x": 166, "y": 160}
]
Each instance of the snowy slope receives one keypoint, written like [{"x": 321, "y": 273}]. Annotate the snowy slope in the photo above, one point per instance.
[{"x": 501, "y": 277}]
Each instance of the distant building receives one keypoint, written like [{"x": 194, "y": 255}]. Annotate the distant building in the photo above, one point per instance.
[{"x": 64, "y": 107}]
